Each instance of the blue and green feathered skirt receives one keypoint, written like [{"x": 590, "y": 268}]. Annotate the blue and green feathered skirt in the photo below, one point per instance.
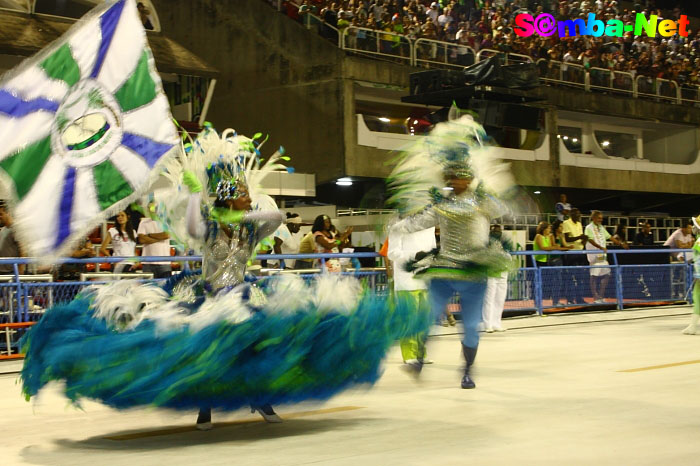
[{"x": 128, "y": 344}]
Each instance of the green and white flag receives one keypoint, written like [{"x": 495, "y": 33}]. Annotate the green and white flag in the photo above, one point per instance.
[{"x": 84, "y": 126}]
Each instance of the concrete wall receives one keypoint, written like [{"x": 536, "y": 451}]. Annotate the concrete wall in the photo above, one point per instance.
[
  {"x": 276, "y": 77},
  {"x": 621, "y": 106},
  {"x": 627, "y": 180},
  {"x": 677, "y": 147}
]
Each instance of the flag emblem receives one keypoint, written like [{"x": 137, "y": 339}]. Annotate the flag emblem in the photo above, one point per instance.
[{"x": 84, "y": 125}]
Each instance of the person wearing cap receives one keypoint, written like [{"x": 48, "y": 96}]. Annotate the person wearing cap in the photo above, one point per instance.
[
  {"x": 692, "y": 328},
  {"x": 433, "y": 13},
  {"x": 289, "y": 239}
]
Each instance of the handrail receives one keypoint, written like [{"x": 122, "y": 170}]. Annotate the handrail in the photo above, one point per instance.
[
  {"x": 690, "y": 88},
  {"x": 383, "y": 40},
  {"x": 307, "y": 23},
  {"x": 672, "y": 83},
  {"x": 609, "y": 251},
  {"x": 507, "y": 55},
  {"x": 527, "y": 58},
  {"x": 325, "y": 255},
  {"x": 601, "y": 70},
  {"x": 490, "y": 52},
  {"x": 627, "y": 75},
  {"x": 446, "y": 47},
  {"x": 656, "y": 84}
]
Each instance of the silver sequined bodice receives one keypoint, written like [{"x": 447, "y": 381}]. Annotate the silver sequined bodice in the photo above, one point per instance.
[
  {"x": 464, "y": 231},
  {"x": 225, "y": 258}
]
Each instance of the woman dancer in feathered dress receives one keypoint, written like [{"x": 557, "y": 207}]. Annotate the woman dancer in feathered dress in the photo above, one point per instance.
[
  {"x": 214, "y": 340},
  {"x": 230, "y": 235}
]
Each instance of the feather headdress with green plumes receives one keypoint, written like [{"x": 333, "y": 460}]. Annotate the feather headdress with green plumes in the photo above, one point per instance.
[
  {"x": 221, "y": 162},
  {"x": 458, "y": 147}
]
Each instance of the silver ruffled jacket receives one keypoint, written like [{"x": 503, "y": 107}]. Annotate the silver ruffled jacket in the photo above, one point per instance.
[{"x": 465, "y": 251}]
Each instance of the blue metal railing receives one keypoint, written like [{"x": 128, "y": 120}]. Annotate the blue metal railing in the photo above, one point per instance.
[
  {"x": 669, "y": 282},
  {"x": 530, "y": 288}
]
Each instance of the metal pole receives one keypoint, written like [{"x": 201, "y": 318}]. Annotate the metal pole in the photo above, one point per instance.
[
  {"x": 207, "y": 101},
  {"x": 538, "y": 287},
  {"x": 18, "y": 293},
  {"x": 691, "y": 280},
  {"x": 412, "y": 52},
  {"x": 618, "y": 283}
]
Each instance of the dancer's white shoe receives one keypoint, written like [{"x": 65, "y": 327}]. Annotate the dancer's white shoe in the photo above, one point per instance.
[{"x": 267, "y": 413}]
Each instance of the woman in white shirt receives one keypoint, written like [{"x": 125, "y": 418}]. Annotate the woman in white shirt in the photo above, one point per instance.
[{"x": 122, "y": 236}]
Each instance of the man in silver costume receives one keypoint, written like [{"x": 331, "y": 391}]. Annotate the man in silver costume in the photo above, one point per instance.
[
  {"x": 231, "y": 232},
  {"x": 465, "y": 258}
]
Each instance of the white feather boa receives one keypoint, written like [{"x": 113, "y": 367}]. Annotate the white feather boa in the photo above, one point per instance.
[{"x": 125, "y": 304}]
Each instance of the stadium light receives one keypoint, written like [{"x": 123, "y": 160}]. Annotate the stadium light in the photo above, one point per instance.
[
  {"x": 606, "y": 143},
  {"x": 538, "y": 192},
  {"x": 384, "y": 119},
  {"x": 344, "y": 181}
]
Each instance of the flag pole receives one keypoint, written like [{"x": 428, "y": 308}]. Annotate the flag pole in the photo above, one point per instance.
[{"x": 207, "y": 101}]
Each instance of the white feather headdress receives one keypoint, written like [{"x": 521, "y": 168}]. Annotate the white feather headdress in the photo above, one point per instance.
[{"x": 212, "y": 156}]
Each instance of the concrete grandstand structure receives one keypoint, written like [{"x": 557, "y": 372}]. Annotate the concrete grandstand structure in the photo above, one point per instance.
[{"x": 315, "y": 97}]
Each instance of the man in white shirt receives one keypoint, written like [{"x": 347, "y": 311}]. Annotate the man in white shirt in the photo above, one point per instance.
[
  {"x": 155, "y": 242},
  {"x": 288, "y": 239},
  {"x": 681, "y": 239},
  {"x": 598, "y": 236},
  {"x": 402, "y": 248}
]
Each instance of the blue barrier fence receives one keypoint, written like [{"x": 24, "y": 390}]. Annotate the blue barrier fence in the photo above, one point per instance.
[
  {"x": 613, "y": 285},
  {"x": 531, "y": 288}
]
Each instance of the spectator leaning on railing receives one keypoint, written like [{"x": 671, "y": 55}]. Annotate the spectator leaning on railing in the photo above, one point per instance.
[{"x": 682, "y": 238}]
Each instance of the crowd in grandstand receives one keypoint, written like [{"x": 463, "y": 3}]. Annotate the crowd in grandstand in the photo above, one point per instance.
[{"x": 489, "y": 25}]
